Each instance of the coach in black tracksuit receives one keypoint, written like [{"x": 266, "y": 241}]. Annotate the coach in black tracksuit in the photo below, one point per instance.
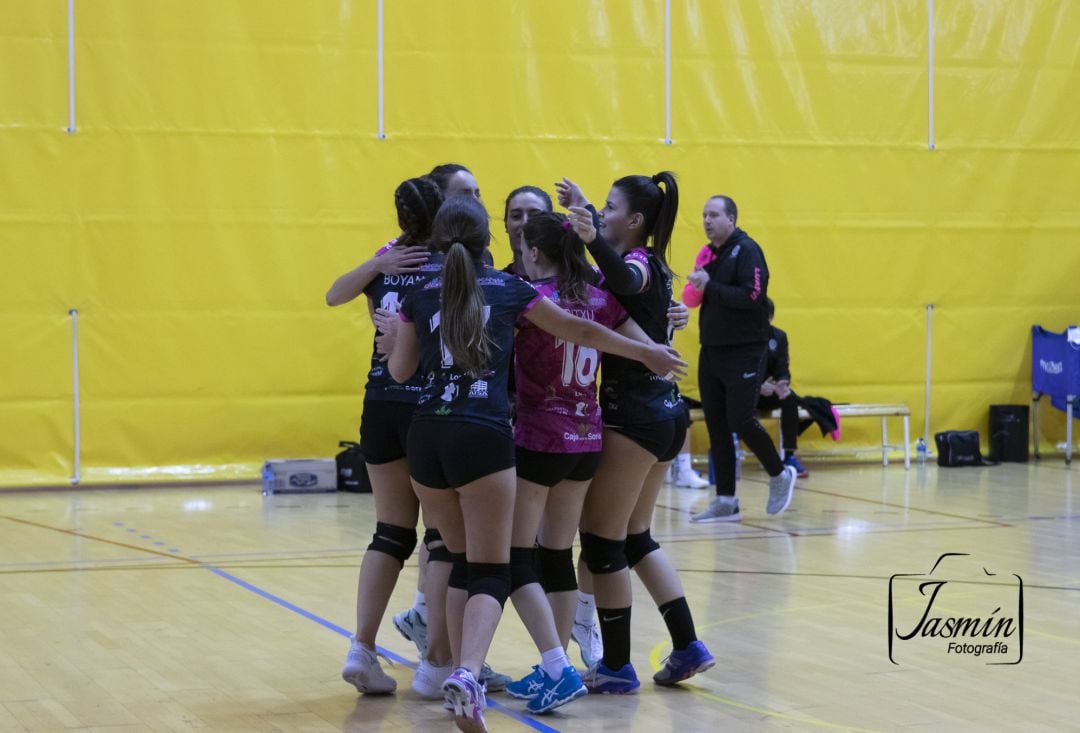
[{"x": 730, "y": 282}]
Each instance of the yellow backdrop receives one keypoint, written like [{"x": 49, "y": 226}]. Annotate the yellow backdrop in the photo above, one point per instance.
[{"x": 226, "y": 167}]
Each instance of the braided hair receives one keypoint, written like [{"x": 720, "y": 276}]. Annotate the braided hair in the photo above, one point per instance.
[{"x": 417, "y": 200}]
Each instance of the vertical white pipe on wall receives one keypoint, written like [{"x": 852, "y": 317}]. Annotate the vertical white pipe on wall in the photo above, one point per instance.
[
  {"x": 930, "y": 86},
  {"x": 929, "y": 357},
  {"x": 382, "y": 127},
  {"x": 667, "y": 72},
  {"x": 75, "y": 390},
  {"x": 70, "y": 129}
]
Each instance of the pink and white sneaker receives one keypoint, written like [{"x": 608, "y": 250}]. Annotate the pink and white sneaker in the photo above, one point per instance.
[{"x": 465, "y": 696}]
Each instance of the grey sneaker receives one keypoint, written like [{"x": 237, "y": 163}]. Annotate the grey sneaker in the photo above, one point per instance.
[
  {"x": 492, "y": 680},
  {"x": 781, "y": 489},
  {"x": 412, "y": 627},
  {"x": 720, "y": 509}
]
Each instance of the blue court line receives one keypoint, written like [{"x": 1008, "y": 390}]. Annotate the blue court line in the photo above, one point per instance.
[{"x": 531, "y": 722}]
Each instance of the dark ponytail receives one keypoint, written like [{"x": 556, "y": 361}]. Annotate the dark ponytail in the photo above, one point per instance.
[
  {"x": 561, "y": 246},
  {"x": 461, "y": 231},
  {"x": 461, "y": 312},
  {"x": 658, "y": 205},
  {"x": 417, "y": 200}
]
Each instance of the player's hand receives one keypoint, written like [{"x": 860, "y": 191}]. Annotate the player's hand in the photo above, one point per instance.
[
  {"x": 386, "y": 325},
  {"x": 678, "y": 315},
  {"x": 402, "y": 260},
  {"x": 768, "y": 388},
  {"x": 569, "y": 194},
  {"x": 666, "y": 362},
  {"x": 582, "y": 222}
]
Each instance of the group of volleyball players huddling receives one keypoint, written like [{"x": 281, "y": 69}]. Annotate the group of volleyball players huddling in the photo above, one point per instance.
[{"x": 481, "y": 413}]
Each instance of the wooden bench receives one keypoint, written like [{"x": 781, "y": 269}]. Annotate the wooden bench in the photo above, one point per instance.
[{"x": 847, "y": 412}]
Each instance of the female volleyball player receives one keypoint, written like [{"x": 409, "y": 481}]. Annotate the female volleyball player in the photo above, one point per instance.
[
  {"x": 558, "y": 436},
  {"x": 388, "y": 410},
  {"x": 521, "y": 203},
  {"x": 644, "y": 428}
]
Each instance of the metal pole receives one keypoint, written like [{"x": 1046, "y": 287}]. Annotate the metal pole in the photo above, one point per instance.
[
  {"x": 667, "y": 72},
  {"x": 75, "y": 384},
  {"x": 382, "y": 127},
  {"x": 930, "y": 69},
  {"x": 929, "y": 355},
  {"x": 70, "y": 129}
]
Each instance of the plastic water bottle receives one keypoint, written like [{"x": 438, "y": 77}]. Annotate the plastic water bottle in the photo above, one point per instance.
[
  {"x": 920, "y": 451},
  {"x": 738, "y": 463}
]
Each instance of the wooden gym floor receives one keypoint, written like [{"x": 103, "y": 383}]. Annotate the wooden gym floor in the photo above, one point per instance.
[{"x": 216, "y": 608}]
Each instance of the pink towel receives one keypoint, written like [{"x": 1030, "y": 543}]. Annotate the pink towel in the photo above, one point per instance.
[{"x": 835, "y": 435}]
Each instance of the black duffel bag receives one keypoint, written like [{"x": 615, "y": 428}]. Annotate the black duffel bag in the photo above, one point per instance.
[
  {"x": 959, "y": 448},
  {"x": 351, "y": 470}
]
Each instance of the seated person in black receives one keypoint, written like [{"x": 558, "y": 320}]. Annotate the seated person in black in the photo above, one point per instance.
[{"x": 776, "y": 392}]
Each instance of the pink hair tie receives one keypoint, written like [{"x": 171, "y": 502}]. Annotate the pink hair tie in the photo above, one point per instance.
[{"x": 566, "y": 224}]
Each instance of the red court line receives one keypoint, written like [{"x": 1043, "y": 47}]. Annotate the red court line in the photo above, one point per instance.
[{"x": 74, "y": 533}]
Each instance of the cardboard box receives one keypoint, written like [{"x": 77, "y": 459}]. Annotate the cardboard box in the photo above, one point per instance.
[{"x": 299, "y": 476}]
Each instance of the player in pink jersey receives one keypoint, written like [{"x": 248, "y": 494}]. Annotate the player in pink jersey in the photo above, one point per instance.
[{"x": 557, "y": 434}]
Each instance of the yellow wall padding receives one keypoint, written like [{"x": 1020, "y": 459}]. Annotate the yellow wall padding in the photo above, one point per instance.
[{"x": 226, "y": 167}]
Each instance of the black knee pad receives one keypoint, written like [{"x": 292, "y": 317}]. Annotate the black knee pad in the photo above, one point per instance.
[
  {"x": 602, "y": 555},
  {"x": 557, "y": 569},
  {"x": 397, "y": 542},
  {"x": 440, "y": 553},
  {"x": 490, "y": 579},
  {"x": 638, "y": 546},
  {"x": 522, "y": 567},
  {"x": 459, "y": 573}
]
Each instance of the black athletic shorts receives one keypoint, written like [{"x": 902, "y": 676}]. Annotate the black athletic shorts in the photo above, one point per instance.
[
  {"x": 663, "y": 439},
  {"x": 444, "y": 454},
  {"x": 548, "y": 469},
  {"x": 384, "y": 427}
]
